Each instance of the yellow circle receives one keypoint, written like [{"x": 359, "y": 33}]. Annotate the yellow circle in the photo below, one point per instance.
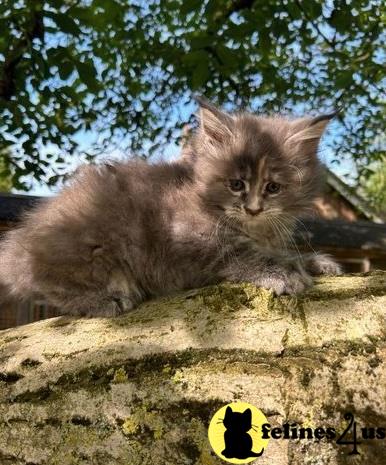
[{"x": 235, "y": 432}]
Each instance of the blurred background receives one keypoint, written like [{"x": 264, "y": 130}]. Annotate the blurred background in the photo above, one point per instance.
[{"x": 86, "y": 80}]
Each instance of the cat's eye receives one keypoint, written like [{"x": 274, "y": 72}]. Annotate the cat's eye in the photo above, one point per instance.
[
  {"x": 272, "y": 188},
  {"x": 236, "y": 185}
]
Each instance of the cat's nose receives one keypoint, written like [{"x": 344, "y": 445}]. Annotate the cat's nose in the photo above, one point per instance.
[{"x": 253, "y": 211}]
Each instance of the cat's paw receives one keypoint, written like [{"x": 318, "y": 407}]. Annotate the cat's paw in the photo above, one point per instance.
[
  {"x": 322, "y": 264},
  {"x": 285, "y": 282},
  {"x": 111, "y": 307},
  {"x": 95, "y": 305}
]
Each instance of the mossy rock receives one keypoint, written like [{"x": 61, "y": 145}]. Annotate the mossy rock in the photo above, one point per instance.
[{"x": 142, "y": 388}]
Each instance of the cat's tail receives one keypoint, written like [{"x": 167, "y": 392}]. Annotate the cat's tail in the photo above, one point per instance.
[
  {"x": 3, "y": 293},
  {"x": 15, "y": 269},
  {"x": 257, "y": 454},
  {"x": 4, "y": 289}
]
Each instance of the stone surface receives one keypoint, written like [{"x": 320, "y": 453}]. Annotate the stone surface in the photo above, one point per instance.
[{"x": 141, "y": 389}]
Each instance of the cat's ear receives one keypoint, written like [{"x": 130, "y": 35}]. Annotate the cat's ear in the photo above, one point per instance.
[
  {"x": 228, "y": 412},
  {"x": 214, "y": 123},
  {"x": 247, "y": 415},
  {"x": 308, "y": 130}
]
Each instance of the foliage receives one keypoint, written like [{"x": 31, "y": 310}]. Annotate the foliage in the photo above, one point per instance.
[
  {"x": 5, "y": 177},
  {"x": 121, "y": 68},
  {"x": 375, "y": 187}
]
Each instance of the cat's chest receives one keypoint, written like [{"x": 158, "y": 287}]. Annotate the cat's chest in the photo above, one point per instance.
[
  {"x": 265, "y": 237},
  {"x": 265, "y": 241},
  {"x": 184, "y": 230}
]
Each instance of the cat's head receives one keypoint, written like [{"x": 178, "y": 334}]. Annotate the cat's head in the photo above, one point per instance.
[
  {"x": 254, "y": 169},
  {"x": 238, "y": 421}
]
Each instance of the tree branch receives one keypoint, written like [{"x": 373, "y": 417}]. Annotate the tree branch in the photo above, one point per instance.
[
  {"x": 315, "y": 26},
  {"x": 16, "y": 51}
]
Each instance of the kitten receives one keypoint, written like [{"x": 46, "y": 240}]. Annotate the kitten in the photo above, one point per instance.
[{"x": 125, "y": 232}]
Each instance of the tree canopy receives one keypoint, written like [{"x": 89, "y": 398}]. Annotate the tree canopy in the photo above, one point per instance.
[
  {"x": 126, "y": 70},
  {"x": 374, "y": 187},
  {"x": 5, "y": 181}
]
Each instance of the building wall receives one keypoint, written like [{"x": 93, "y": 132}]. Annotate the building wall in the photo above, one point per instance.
[
  {"x": 333, "y": 207},
  {"x": 13, "y": 313}
]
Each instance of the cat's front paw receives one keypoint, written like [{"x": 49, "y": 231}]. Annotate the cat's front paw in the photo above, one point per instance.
[
  {"x": 322, "y": 264},
  {"x": 285, "y": 282},
  {"x": 95, "y": 305},
  {"x": 111, "y": 307}
]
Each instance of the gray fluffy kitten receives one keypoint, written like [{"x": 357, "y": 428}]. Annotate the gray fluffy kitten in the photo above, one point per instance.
[{"x": 121, "y": 233}]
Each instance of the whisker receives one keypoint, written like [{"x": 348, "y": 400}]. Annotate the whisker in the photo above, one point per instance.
[
  {"x": 289, "y": 236},
  {"x": 273, "y": 222},
  {"x": 299, "y": 221}
]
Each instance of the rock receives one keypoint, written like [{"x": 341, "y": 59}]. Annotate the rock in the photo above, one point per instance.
[{"x": 141, "y": 388}]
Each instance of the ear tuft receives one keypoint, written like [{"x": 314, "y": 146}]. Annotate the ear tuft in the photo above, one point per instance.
[
  {"x": 214, "y": 123},
  {"x": 309, "y": 129},
  {"x": 327, "y": 118}
]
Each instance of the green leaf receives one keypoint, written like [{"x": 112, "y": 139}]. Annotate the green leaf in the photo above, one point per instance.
[
  {"x": 199, "y": 41},
  {"x": 200, "y": 75},
  {"x": 239, "y": 32},
  {"x": 228, "y": 57},
  {"x": 195, "y": 58},
  {"x": 293, "y": 10},
  {"x": 344, "y": 79},
  {"x": 313, "y": 8},
  {"x": 65, "y": 70},
  {"x": 66, "y": 23},
  {"x": 190, "y": 5},
  {"x": 341, "y": 20},
  {"x": 87, "y": 74},
  {"x": 265, "y": 42}
]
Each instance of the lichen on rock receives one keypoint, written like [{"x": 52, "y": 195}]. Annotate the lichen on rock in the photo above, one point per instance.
[{"x": 141, "y": 388}]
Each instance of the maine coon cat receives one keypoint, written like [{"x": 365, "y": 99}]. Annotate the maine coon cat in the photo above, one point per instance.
[{"x": 123, "y": 232}]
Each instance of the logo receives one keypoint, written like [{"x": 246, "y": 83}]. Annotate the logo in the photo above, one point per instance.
[
  {"x": 235, "y": 432},
  {"x": 240, "y": 432}
]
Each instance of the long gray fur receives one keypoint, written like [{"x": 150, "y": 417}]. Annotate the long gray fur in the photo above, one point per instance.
[{"x": 123, "y": 232}]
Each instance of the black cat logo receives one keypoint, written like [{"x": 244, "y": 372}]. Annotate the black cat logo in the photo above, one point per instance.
[{"x": 238, "y": 443}]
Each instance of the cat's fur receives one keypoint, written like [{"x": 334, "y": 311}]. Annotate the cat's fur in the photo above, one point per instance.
[{"x": 124, "y": 232}]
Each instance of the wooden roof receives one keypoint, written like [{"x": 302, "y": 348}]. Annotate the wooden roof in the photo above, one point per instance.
[
  {"x": 351, "y": 196},
  {"x": 13, "y": 205},
  {"x": 361, "y": 237}
]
